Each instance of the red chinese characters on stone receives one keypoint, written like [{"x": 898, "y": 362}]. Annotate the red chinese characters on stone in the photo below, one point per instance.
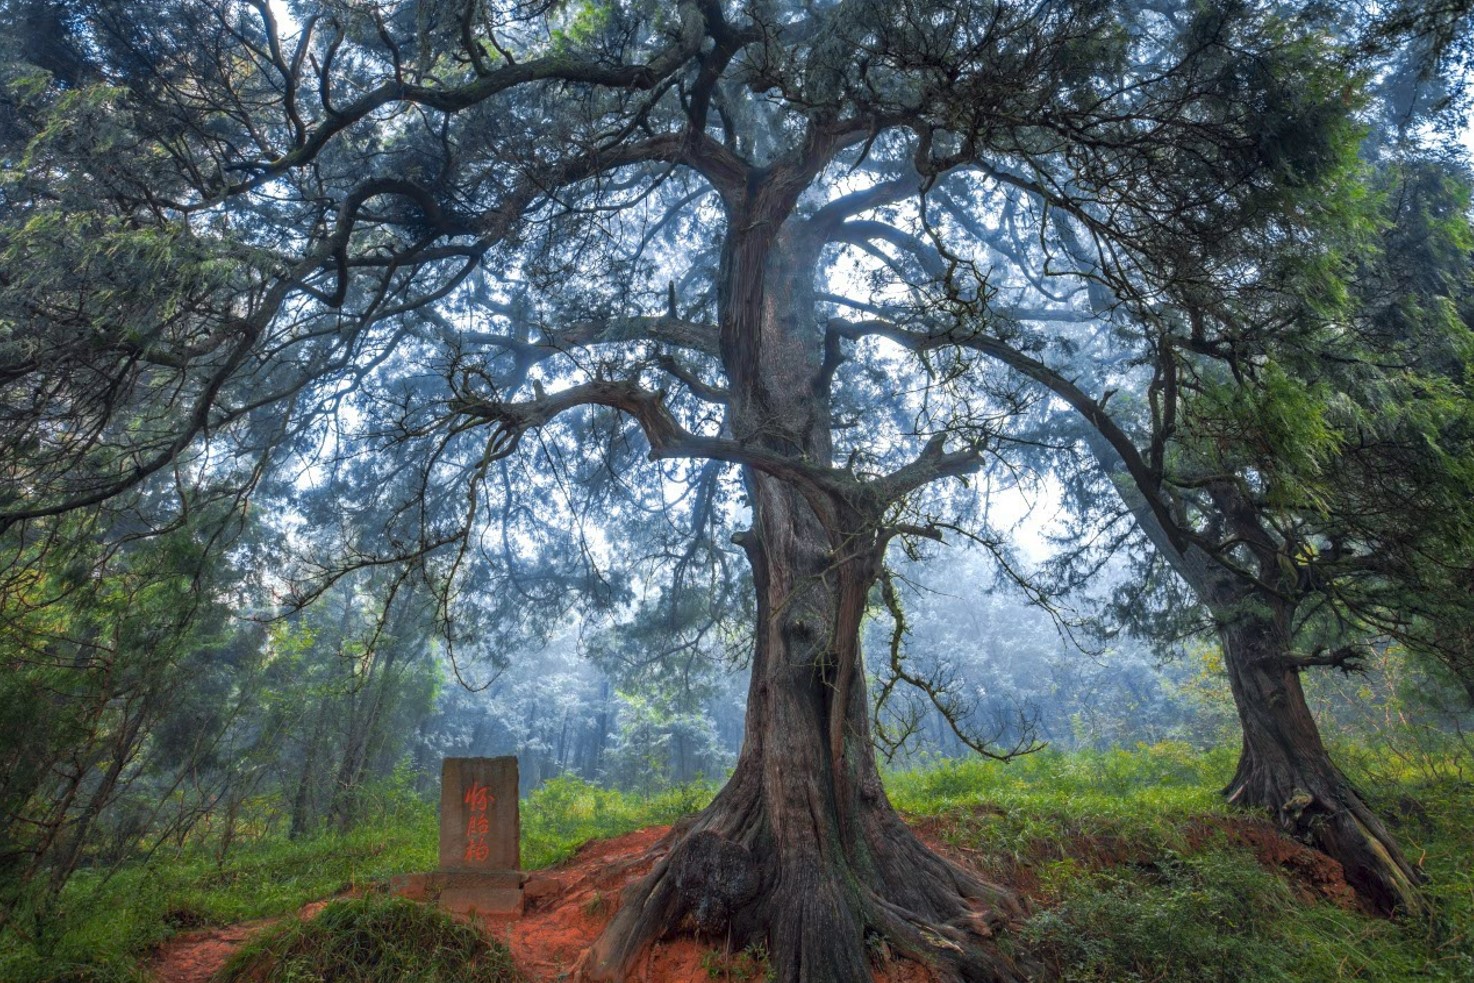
[
  {"x": 478, "y": 798},
  {"x": 478, "y": 815},
  {"x": 478, "y": 825}
]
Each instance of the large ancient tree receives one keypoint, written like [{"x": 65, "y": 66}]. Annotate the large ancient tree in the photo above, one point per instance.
[{"x": 459, "y": 260}]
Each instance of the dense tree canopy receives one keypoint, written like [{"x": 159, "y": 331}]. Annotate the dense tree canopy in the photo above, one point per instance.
[{"x": 685, "y": 309}]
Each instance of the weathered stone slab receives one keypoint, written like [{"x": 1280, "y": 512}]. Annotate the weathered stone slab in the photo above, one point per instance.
[
  {"x": 479, "y": 823},
  {"x": 537, "y": 887},
  {"x": 493, "y": 892},
  {"x": 480, "y": 894},
  {"x": 479, "y": 834}
]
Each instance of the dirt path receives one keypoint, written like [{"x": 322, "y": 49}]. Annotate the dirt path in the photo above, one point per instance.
[{"x": 195, "y": 956}]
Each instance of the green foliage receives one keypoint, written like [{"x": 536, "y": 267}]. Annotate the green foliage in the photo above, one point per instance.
[
  {"x": 88, "y": 283},
  {"x": 582, "y": 25},
  {"x": 1279, "y": 426},
  {"x": 1136, "y": 881},
  {"x": 1404, "y": 719},
  {"x": 370, "y": 940},
  {"x": 95, "y": 734},
  {"x": 348, "y": 684},
  {"x": 658, "y": 738},
  {"x": 568, "y": 811},
  {"x": 104, "y": 924}
]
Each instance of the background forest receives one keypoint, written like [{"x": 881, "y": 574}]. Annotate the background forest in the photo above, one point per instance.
[{"x": 1051, "y": 420}]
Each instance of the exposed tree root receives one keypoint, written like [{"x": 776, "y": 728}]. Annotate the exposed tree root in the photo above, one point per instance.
[
  {"x": 1284, "y": 768},
  {"x": 1319, "y": 807},
  {"x": 821, "y": 913}
]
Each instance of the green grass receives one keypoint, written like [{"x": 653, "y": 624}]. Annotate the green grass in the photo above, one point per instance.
[
  {"x": 1131, "y": 882},
  {"x": 1125, "y": 896},
  {"x": 372, "y": 940},
  {"x": 567, "y": 812},
  {"x": 1167, "y": 780},
  {"x": 103, "y": 925},
  {"x": 1218, "y": 916}
]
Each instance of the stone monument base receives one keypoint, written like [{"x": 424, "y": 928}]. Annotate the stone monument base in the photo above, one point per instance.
[{"x": 468, "y": 893}]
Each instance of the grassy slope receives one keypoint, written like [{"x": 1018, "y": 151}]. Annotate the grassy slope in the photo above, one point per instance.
[{"x": 1168, "y": 910}]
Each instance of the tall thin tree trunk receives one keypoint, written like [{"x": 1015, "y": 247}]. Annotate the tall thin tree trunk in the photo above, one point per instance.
[
  {"x": 563, "y": 744},
  {"x": 364, "y": 722},
  {"x": 125, "y": 744},
  {"x": 302, "y": 798},
  {"x": 599, "y": 738}
]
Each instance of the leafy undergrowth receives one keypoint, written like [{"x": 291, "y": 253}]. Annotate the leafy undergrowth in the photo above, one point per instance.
[
  {"x": 103, "y": 926},
  {"x": 369, "y": 940},
  {"x": 1136, "y": 869}
]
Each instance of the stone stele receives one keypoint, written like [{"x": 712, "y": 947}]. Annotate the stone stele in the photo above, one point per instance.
[
  {"x": 479, "y": 825},
  {"x": 479, "y": 841}
]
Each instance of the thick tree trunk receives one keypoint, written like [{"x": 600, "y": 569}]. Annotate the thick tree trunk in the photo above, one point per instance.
[
  {"x": 807, "y": 857},
  {"x": 1285, "y": 768},
  {"x": 801, "y": 850}
]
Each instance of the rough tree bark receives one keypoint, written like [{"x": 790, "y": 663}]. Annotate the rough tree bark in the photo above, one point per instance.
[
  {"x": 801, "y": 849},
  {"x": 1284, "y": 766}
]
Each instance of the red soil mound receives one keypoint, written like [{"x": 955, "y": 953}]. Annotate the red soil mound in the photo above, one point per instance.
[
  {"x": 568, "y": 905},
  {"x": 1313, "y": 875}
]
